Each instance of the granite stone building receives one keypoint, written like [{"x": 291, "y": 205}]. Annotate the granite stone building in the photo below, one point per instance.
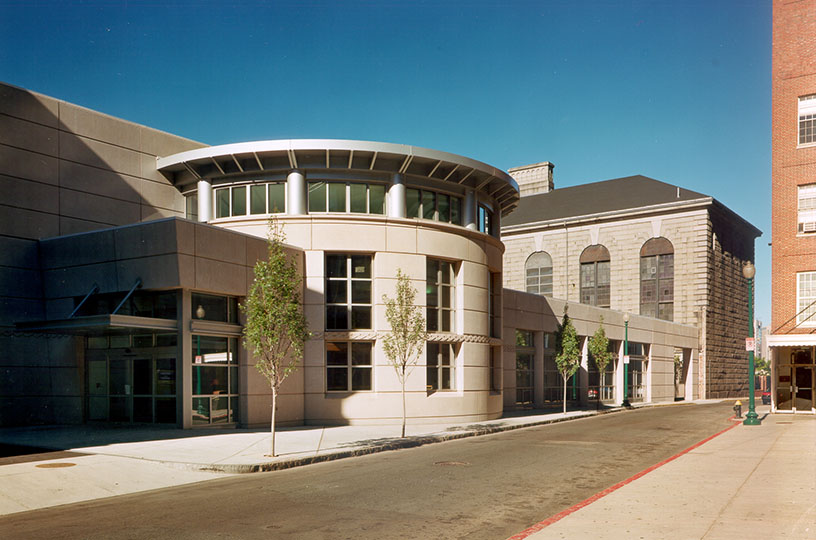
[
  {"x": 640, "y": 246},
  {"x": 125, "y": 252},
  {"x": 793, "y": 310}
]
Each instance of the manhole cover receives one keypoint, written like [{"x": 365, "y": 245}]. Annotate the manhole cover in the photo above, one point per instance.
[
  {"x": 55, "y": 465},
  {"x": 452, "y": 463}
]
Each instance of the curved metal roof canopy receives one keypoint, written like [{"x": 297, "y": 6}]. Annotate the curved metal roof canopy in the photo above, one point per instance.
[{"x": 327, "y": 154}]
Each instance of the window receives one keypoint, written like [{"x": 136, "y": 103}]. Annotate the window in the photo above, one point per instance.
[
  {"x": 348, "y": 292},
  {"x": 265, "y": 198},
  {"x": 432, "y": 205},
  {"x": 209, "y": 307},
  {"x": 440, "y": 296},
  {"x": 348, "y": 366},
  {"x": 807, "y": 119},
  {"x": 214, "y": 380},
  {"x": 192, "y": 207},
  {"x": 638, "y": 360},
  {"x": 494, "y": 287},
  {"x": 657, "y": 279},
  {"x": 440, "y": 366},
  {"x": 595, "y": 276},
  {"x": 539, "y": 272},
  {"x": 807, "y": 208},
  {"x": 354, "y": 197},
  {"x": 525, "y": 363},
  {"x": 806, "y": 298},
  {"x": 485, "y": 220}
]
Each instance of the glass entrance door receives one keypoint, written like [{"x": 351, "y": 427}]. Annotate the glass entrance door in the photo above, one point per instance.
[
  {"x": 803, "y": 388},
  {"x": 132, "y": 388}
]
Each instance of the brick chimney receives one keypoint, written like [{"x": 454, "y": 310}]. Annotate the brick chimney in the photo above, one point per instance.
[{"x": 533, "y": 179}]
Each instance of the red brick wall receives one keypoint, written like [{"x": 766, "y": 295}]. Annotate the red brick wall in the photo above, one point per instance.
[{"x": 794, "y": 75}]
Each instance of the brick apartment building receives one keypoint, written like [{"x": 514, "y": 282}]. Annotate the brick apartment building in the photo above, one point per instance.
[{"x": 793, "y": 321}]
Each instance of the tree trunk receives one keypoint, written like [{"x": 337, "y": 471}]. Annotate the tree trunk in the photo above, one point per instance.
[
  {"x": 272, "y": 423},
  {"x": 565, "y": 394},
  {"x": 403, "y": 401}
]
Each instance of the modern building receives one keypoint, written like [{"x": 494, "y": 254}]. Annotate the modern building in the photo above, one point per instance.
[
  {"x": 640, "y": 246},
  {"x": 125, "y": 253},
  {"x": 793, "y": 316}
]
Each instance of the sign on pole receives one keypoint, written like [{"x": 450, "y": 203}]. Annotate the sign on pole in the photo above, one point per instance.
[
  {"x": 750, "y": 344},
  {"x": 625, "y": 358}
]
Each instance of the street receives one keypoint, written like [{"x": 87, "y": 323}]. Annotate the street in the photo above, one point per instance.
[{"x": 487, "y": 487}]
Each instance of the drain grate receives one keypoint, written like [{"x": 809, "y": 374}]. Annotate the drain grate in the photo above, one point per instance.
[
  {"x": 777, "y": 423},
  {"x": 452, "y": 463},
  {"x": 60, "y": 465}
]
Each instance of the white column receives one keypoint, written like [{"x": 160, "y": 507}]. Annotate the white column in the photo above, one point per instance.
[
  {"x": 619, "y": 376},
  {"x": 470, "y": 210},
  {"x": 205, "y": 202},
  {"x": 396, "y": 196},
  {"x": 583, "y": 373},
  {"x": 295, "y": 193}
]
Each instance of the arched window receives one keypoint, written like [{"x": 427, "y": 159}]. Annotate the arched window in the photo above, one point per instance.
[
  {"x": 539, "y": 272},
  {"x": 657, "y": 279},
  {"x": 595, "y": 276}
]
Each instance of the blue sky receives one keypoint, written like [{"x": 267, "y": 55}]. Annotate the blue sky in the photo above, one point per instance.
[{"x": 676, "y": 90}]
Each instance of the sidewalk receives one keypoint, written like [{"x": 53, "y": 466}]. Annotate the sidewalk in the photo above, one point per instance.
[
  {"x": 748, "y": 482},
  {"x": 107, "y": 461}
]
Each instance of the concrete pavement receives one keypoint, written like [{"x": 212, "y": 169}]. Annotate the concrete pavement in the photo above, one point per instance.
[{"x": 749, "y": 481}]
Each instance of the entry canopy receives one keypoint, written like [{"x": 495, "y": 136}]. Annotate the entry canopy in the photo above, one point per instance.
[
  {"x": 792, "y": 340},
  {"x": 98, "y": 324},
  {"x": 333, "y": 155}
]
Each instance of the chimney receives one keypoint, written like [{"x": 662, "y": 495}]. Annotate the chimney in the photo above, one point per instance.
[{"x": 533, "y": 179}]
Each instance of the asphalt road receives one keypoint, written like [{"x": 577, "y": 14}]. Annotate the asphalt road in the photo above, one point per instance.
[{"x": 488, "y": 487}]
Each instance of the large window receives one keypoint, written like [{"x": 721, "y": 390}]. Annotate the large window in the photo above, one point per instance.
[
  {"x": 354, "y": 197},
  {"x": 485, "y": 219},
  {"x": 209, "y": 307},
  {"x": 254, "y": 199},
  {"x": 539, "y": 272},
  {"x": 432, "y": 205},
  {"x": 440, "y": 371},
  {"x": 807, "y": 119},
  {"x": 440, "y": 290},
  {"x": 657, "y": 279},
  {"x": 348, "y": 292},
  {"x": 806, "y": 298},
  {"x": 348, "y": 366},
  {"x": 595, "y": 276},
  {"x": 214, "y": 380},
  {"x": 525, "y": 368},
  {"x": 807, "y": 208}
]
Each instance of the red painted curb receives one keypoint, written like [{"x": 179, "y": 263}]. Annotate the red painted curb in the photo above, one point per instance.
[{"x": 586, "y": 502}]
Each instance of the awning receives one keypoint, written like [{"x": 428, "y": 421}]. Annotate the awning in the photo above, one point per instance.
[
  {"x": 98, "y": 325},
  {"x": 792, "y": 340}
]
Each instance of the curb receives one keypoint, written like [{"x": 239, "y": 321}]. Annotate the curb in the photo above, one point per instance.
[{"x": 397, "y": 444}]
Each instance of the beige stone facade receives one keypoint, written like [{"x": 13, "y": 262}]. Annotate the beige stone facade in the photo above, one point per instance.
[{"x": 710, "y": 245}]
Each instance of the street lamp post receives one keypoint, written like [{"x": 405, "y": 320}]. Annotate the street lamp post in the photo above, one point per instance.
[
  {"x": 625, "y": 402},
  {"x": 752, "y": 418}
]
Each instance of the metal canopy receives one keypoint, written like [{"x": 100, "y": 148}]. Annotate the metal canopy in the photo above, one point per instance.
[
  {"x": 281, "y": 156},
  {"x": 98, "y": 324}
]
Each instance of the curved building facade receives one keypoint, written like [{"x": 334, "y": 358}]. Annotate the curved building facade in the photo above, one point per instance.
[{"x": 360, "y": 211}]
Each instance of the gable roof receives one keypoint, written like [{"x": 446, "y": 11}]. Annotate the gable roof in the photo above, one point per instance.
[{"x": 630, "y": 192}]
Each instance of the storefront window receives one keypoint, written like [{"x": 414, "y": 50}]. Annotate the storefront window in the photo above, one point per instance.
[{"x": 214, "y": 380}]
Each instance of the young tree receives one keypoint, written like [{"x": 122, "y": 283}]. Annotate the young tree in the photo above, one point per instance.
[
  {"x": 404, "y": 344},
  {"x": 599, "y": 349},
  {"x": 568, "y": 352},
  {"x": 276, "y": 330}
]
